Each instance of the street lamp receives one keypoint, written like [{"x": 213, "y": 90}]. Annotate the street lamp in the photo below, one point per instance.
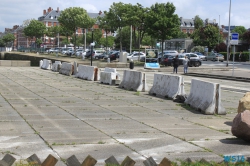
[
  {"x": 228, "y": 38},
  {"x": 106, "y": 37},
  {"x": 92, "y": 45}
]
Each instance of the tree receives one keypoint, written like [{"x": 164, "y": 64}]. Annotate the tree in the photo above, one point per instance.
[
  {"x": 125, "y": 35},
  {"x": 241, "y": 30},
  {"x": 108, "y": 43},
  {"x": 2, "y": 43},
  {"x": 35, "y": 29},
  {"x": 161, "y": 22},
  {"x": 198, "y": 22},
  {"x": 8, "y": 38},
  {"x": 198, "y": 49},
  {"x": 53, "y": 31},
  {"x": 73, "y": 18},
  {"x": 117, "y": 16},
  {"x": 97, "y": 35},
  {"x": 222, "y": 47},
  {"x": 246, "y": 36},
  {"x": 182, "y": 34},
  {"x": 207, "y": 36}
]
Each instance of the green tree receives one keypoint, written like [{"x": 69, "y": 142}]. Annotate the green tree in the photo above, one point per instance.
[
  {"x": 107, "y": 43},
  {"x": 161, "y": 22},
  {"x": 198, "y": 49},
  {"x": 53, "y": 31},
  {"x": 35, "y": 29},
  {"x": 8, "y": 38},
  {"x": 206, "y": 36},
  {"x": 117, "y": 16},
  {"x": 125, "y": 35},
  {"x": 73, "y": 18},
  {"x": 2, "y": 44},
  {"x": 97, "y": 35},
  {"x": 182, "y": 34},
  {"x": 198, "y": 22}
]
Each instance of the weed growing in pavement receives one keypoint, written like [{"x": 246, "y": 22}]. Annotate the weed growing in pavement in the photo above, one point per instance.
[
  {"x": 137, "y": 93},
  {"x": 25, "y": 163}
]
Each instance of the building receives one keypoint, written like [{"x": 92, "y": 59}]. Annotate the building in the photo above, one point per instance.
[{"x": 187, "y": 25}]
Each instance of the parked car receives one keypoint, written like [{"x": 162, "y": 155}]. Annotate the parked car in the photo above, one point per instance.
[
  {"x": 135, "y": 56},
  {"x": 101, "y": 56},
  {"x": 88, "y": 53},
  {"x": 214, "y": 57},
  {"x": 166, "y": 60},
  {"x": 167, "y": 52},
  {"x": 79, "y": 52},
  {"x": 194, "y": 59},
  {"x": 202, "y": 57},
  {"x": 97, "y": 53},
  {"x": 64, "y": 50},
  {"x": 70, "y": 52},
  {"x": 53, "y": 50}
]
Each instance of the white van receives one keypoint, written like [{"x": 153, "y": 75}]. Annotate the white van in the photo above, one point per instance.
[{"x": 97, "y": 53}]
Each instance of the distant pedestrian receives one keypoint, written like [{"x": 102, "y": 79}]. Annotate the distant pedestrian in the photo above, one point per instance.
[
  {"x": 185, "y": 64},
  {"x": 240, "y": 56},
  {"x": 176, "y": 64}
]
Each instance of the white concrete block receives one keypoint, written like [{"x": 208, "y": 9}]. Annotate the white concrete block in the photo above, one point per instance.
[
  {"x": 66, "y": 69},
  {"x": 88, "y": 73},
  {"x": 206, "y": 97},
  {"x": 56, "y": 66},
  {"x": 107, "y": 77},
  {"x": 167, "y": 85},
  {"x": 134, "y": 80},
  {"x": 40, "y": 63},
  {"x": 47, "y": 64}
]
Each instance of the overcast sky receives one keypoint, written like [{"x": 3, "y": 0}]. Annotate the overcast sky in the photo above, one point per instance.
[{"x": 14, "y": 12}]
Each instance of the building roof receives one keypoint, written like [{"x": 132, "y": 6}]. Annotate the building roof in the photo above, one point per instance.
[
  {"x": 190, "y": 22},
  {"x": 50, "y": 15}
]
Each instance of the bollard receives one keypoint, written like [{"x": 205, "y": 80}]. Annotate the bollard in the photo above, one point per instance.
[
  {"x": 131, "y": 64},
  {"x": 108, "y": 60}
]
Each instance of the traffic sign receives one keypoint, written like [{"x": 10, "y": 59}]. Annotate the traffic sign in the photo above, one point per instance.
[{"x": 234, "y": 39}]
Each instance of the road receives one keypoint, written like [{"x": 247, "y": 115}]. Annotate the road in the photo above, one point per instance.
[{"x": 239, "y": 65}]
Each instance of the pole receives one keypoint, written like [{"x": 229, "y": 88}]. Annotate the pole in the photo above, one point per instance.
[
  {"x": 91, "y": 58},
  {"x": 57, "y": 44},
  {"x": 233, "y": 61},
  {"x": 249, "y": 55},
  {"x": 130, "y": 51},
  {"x": 85, "y": 39},
  {"x": 228, "y": 38},
  {"x": 139, "y": 44},
  {"x": 219, "y": 31},
  {"x": 106, "y": 43}
]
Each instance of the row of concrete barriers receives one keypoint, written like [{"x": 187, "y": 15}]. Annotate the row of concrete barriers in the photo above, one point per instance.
[{"x": 204, "y": 96}]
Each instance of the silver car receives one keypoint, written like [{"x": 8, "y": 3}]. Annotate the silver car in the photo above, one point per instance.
[{"x": 215, "y": 57}]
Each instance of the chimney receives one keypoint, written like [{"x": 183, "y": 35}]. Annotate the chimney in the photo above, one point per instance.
[
  {"x": 49, "y": 9},
  {"x": 44, "y": 12},
  {"x": 57, "y": 9}
]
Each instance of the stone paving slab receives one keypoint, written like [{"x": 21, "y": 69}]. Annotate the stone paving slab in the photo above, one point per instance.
[{"x": 70, "y": 116}]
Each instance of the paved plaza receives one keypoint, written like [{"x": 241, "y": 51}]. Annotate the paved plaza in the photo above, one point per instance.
[{"x": 44, "y": 112}]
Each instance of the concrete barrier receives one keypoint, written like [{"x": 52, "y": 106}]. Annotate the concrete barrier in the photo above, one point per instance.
[
  {"x": 75, "y": 68},
  {"x": 205, "y": 97},
  {"x": 40, "y": 63},
  {"x": 134, "y": 80},
  {"x": 56, "y": 66},
  {"x": 88, "y": 73},
  {"x": 46, "y": 64},
  {"x": 110, "y": 76},
  {"x": 165, "y": 85},
  {"x": 66, "y": 69}
]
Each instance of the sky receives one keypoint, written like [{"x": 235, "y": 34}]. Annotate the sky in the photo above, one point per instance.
[{"x": 14, "y": 12}]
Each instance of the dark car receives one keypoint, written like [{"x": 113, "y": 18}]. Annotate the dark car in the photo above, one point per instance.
[
  {"x": 112, "y": 55},
  {"x": 88, "y": 53},
  {"x": 194, "y": 62},
  {"x": 167, "y": 60},
  {"x": 102, "y": 55}
]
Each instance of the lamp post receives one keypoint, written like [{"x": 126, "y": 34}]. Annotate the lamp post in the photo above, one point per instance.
[
  {"x": 228, "y": 38},
  {"x": 92, "y": 45},
  {"x": 106, "y": 37}
]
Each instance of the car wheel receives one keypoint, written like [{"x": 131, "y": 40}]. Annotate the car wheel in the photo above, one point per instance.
[
  {"x": 221, "y": 61},
  {"x": 197, "y": 64}
]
